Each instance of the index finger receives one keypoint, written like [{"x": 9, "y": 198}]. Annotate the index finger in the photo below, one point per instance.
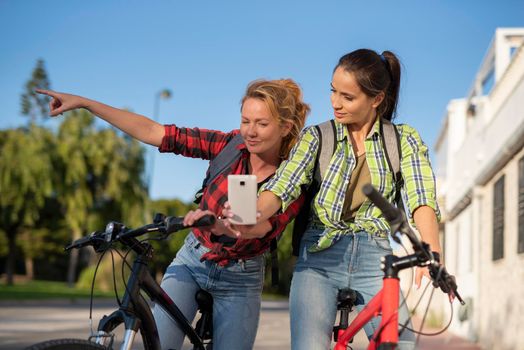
[{"x": 46, "y": 92}]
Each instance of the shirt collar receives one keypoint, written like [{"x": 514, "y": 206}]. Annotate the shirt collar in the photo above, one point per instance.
[
  {"x": 375, "y": 130},
  {"x": 343, "y": 133}
]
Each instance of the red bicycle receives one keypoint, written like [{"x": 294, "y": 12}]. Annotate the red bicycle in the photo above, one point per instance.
[{"x": 386, "y": 301}]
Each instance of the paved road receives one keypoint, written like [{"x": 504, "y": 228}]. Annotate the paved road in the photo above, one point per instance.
[{"x": 22, "y": 324}]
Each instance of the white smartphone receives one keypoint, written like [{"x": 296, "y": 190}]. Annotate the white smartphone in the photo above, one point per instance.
[{"x": 242, "y": 196}]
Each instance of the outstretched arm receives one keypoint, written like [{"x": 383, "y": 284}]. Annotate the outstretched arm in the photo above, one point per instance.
[{"x": 135, "y": 125}]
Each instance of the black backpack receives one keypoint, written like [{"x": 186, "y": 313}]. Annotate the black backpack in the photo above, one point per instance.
[{"x": 327, "y": 132}]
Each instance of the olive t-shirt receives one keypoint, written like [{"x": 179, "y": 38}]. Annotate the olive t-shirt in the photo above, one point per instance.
[{"x": 354, "y": 196}]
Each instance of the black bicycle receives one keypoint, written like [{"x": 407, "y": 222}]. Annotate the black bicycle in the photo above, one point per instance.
[{"x": 134, "y": 312}]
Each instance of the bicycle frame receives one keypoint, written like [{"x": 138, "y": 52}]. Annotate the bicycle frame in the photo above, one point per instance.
[
  {"x": 135, "y": 312},
  {"x": 386, "y": 301},
  {"x": 388, "y": 329}
]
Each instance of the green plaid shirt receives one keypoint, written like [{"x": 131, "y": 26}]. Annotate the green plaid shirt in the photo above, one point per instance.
[{"x": 419, "y": 181}]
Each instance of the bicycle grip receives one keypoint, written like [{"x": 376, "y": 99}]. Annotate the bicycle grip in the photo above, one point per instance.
[
  {"x": 176, "y": 223},
  {"x": 84, "y": 241},
  {"x": 391, "y": 213},
  {"x": 206, "y": 220}
]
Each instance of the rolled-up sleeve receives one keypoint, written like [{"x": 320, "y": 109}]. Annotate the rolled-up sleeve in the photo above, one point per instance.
[
  {"x": 194, "y": 142},
  {"x": 419, "y": 179}
]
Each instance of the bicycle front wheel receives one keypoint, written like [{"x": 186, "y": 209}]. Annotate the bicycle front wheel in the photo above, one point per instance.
[{"x": 66, "y": 344}]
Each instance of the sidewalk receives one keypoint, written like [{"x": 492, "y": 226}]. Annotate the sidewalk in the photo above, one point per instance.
[
  {"x": 446, "y": 340},
  {"x": 27, "y": 322}
]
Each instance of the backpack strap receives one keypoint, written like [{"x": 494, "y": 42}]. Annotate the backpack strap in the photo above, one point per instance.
[
  {"x": 221, "y": 162},
  {"x": 275, "y": 280},
  {"x": 391, "y": 141},
  {"x": 224, "y": 159},
  {"x": 327, "y": 132}
]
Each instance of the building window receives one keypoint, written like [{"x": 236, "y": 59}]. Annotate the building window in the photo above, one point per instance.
[
  {"x": 521, "y": 206},
  {"x": 498, "y": 219}
]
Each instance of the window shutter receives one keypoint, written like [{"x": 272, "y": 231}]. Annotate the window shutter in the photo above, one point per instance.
[
  {"x": 521, "y": 206},
  {"x": 498, "y": 219}
]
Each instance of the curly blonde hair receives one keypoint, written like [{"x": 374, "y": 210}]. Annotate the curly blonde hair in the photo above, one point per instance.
[{"x": 283, "y": 97}]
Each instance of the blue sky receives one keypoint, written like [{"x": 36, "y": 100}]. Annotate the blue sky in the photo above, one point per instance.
[{"x": 206, "y": 52}]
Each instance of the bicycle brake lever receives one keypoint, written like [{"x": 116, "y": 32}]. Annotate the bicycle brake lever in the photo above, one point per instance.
[
  {"x": 446, "y": 282},
  {"x": 451, "y": 285}
]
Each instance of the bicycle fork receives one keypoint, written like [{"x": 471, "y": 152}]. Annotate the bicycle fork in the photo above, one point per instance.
[{"x": 131, "y": 323}]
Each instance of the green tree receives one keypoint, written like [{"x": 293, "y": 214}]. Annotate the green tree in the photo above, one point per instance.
[
  {"x": 33, "y": 104},
  {"x": 25, "y": 183},
  {"x": 98, "y": 178},
  {"x": 164, "y": 253}
]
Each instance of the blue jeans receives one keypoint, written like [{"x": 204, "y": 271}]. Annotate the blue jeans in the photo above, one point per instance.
[
  {"x": 354, "y": 262},
  {"x": 236, "y": 290}
]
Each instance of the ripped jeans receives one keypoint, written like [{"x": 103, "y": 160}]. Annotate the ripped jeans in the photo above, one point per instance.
[
  {"x": 236, "y": 290},
  {"x": 354, "y": 262}
]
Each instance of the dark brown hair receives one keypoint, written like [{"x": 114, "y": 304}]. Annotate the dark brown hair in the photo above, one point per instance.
[{"x": 375, "y": 74}]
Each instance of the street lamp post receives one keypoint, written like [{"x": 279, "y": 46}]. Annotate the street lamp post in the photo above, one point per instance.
[{"x": 162, "y": 94}]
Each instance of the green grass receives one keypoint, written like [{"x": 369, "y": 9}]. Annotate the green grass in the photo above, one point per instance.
[
  {"x": 274, "y": 296},
  {"x": 45, "y": 290},
  {"x": 37, "y": 290}
]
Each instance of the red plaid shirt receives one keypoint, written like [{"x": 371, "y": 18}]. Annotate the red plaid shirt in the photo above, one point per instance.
[{"x": 207, "y": 144}]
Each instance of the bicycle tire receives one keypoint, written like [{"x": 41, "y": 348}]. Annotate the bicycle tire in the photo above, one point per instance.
[{"x": 66, "y": 344}]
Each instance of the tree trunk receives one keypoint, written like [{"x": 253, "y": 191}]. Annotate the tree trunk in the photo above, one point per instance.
[
  {"x": 28, "y": 256},
  {"x": 10, "y": 263},
  {"x": 73, "y": 262},
  {"x": 29, "y": 269}
]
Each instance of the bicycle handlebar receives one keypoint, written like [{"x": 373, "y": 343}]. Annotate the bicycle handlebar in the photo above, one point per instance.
[
  {"x": 397, "y": 220},
  {"x": 391, "y": 213},
  {"x": 117, "y": 232}
]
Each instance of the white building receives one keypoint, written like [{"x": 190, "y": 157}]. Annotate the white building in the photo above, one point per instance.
[{"x": 480, "y": 169}]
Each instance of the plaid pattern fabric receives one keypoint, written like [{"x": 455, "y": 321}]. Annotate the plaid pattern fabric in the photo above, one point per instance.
[
  {"x": 207, "y": 144},
  {"x": 419, "y": 181}
]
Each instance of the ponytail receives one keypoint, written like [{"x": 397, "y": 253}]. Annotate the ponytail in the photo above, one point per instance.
[{"x": 388, "y": 108}]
